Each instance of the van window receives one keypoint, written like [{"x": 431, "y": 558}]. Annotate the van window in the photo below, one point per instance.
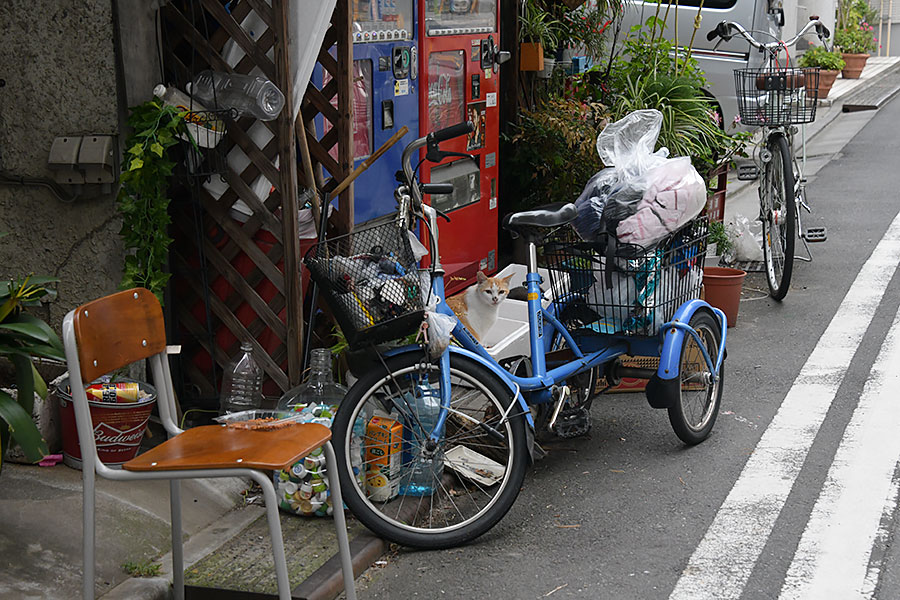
[{"x": 709, "y": 3}]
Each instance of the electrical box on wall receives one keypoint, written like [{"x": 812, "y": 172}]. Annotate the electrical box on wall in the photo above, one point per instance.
[{"x": 89, "y": 162}]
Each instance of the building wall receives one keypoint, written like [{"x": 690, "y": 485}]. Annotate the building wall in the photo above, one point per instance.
[{"x": 60, "y": 78}]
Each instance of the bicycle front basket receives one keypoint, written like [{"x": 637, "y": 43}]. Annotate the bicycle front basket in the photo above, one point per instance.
[
  {"x": 370, "y": 281},
  {"x": 777, "y": 96}
]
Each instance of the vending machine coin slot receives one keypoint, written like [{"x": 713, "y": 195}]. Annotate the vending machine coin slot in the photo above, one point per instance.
[
  {"x": 487, "y": 53},
  {"x": 401, "y": 62}
]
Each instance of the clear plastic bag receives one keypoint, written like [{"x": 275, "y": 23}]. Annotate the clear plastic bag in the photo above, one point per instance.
[
  {"x": 642, "y": 195},
  {"x": 440, "y": 327},
  {"x": 626, "y": 147}
]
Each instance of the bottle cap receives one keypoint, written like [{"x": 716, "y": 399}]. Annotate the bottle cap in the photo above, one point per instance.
[{"x": 159, "y": 90}]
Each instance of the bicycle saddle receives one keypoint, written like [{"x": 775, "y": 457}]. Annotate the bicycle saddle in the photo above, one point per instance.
[{"x": 550, "y": 215}]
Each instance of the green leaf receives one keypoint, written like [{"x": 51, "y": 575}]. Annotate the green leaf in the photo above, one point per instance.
[
  {"x": 137, "y": 163},
  {"x": 40, "y": 386},
  {"x": 22, "y": 428},
  {"x": 137, "y": 149},
  {"x": 157, "y": 149}
]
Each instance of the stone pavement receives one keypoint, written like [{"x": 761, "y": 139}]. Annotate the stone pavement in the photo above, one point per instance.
[{"x": 227, "y": 541}]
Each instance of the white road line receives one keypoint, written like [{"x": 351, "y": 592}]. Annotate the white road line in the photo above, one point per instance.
[
  {"x": 832, "y": 559},
  {"x": 724, "y": 559}
]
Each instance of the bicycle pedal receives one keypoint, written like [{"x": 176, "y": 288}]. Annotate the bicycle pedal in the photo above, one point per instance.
[
  {"x": 815, "y": 234},
  {"x": 572, "y": 422},
  {"x": 748, "y": 172}
]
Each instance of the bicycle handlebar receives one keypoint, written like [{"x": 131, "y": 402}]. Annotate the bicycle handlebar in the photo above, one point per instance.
[
  {"x": 727, "y": 29},
  {"x": 448, "y": 133}
]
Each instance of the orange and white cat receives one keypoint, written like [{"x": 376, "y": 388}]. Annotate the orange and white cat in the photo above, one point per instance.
[{"x": 478, "y": 306}]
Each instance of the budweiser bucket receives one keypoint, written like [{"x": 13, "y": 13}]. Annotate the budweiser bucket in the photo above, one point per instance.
[{"x": 118, "y": 426}]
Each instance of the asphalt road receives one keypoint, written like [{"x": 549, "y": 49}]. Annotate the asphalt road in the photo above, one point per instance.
[{"x": 776, "y": 503}]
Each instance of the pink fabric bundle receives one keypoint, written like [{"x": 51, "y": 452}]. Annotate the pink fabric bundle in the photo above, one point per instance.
[{"x": 675, "y": 194}]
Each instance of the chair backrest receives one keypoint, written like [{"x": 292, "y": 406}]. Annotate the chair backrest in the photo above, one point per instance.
[{"x": 117, "y": 330}]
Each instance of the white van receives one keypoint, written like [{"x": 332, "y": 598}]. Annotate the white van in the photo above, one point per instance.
[{"x": 718, "y": 64}]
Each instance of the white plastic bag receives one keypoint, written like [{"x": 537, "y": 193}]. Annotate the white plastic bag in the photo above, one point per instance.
[
  {"x": 440, "y": 326},
  {"x": 745, "y": 245}
]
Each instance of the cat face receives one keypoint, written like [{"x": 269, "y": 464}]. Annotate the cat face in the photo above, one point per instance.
[{"x": 492, "y": 290}]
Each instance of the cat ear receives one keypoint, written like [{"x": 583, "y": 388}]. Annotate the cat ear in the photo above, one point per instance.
[
  {"x": 481, "y": 277},
  {"x": 507, "y": 278}
]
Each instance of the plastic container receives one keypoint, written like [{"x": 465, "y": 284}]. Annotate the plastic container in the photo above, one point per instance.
[
  {"x": 118, "y": 426},
  {"x": 423, "y": 470},
  {"x": 248, "y": 94},
  {"x": 319, "y": 389},
  {"x": 203, "y": 125},
  {"x": 303, "y": 488},
  {"x": 242, "y": 383}
]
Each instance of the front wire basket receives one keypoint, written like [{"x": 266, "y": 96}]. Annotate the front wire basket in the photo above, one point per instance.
[
  {"x": 777, "y": 96},
  {"x": 371, "y": 282},
  {"x": 625, "y": 289}
]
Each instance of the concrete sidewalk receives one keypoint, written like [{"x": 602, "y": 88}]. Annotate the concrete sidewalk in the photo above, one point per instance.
[{"x": 227, "y": 542}]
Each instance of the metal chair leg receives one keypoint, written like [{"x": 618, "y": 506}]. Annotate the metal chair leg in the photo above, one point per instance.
[
  {"x": 268, "y": 488},
  {"x": 87, "y": 477},
  {"x": 340, "y": 524},
  {"x": 177, "y": 539}
]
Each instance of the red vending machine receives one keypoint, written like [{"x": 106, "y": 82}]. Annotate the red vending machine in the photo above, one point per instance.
[{"x": 459, "y": 42}]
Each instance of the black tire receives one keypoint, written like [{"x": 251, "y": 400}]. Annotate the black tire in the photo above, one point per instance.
[
  {"x": 778, "y": 212},
  {"x": 695, "y": 405},
  {"x": 460, "y": 509}
]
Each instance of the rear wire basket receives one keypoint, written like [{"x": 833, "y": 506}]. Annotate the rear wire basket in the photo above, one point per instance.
[
  {"x": 777, "y": 96},
  {"x": 370, "y": 280},
  {"x": 624, "y": 288}
]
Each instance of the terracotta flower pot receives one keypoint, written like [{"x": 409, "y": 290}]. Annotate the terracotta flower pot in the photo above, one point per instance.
[
  {"x": 826, "y": 80},
  {"x": 722, "y": 289},
  {"x": 531, "y": 56},
  {"x": 853, "y": 65}
]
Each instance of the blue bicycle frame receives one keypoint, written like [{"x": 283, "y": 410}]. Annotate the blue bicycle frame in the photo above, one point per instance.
[{"x": 667, "y": 345}]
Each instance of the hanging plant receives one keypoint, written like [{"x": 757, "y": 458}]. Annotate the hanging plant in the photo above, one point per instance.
[{"x": 143, "y": 198}]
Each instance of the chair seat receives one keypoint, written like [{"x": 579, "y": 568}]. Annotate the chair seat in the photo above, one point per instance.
[{"x": 221, "y": 447}]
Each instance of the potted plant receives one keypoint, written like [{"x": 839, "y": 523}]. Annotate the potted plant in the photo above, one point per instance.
[
  {"x": 537, "y": 33},
  {"x": 830, "y": 64},
  {"x": 23, "y": 337},
  {"x": 855, "y": 43}
]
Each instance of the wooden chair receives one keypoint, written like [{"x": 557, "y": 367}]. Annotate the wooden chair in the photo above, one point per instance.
[{"x": 122, "y": 328}]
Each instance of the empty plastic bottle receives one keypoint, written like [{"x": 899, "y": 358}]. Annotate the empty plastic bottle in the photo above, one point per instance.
[
  {"x": 242, "y": 383},
  {"x": 320, "y": 388},
  {"x": 247, "y": 94},
  {"x": 425, "y": 467}
]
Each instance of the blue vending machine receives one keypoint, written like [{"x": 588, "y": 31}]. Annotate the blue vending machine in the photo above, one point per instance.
[{"x": 385, "y": 96}]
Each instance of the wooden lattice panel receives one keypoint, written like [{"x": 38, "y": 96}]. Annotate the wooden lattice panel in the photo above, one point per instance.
[{"x": 247, "y": 274}]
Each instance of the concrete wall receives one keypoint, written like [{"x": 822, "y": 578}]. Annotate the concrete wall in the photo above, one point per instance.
[{"x": 59, "y": 68}]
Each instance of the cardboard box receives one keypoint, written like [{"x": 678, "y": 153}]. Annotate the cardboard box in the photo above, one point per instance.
[{"x": 383, "y": 452}]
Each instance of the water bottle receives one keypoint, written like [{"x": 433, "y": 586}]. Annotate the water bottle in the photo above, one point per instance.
[
  {"x": 424, "y": 471},
  {"x": 242, "y": 384},
  {"x": 320, "y": 388},
  {"x": 248, "y": 94}
]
